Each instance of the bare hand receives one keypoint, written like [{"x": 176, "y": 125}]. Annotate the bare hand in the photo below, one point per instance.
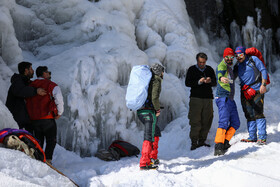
[
  {"x": 41, "y": 91},
  {"x": 157, "y": 113},
  {"x": 57, "y": 117},
  {"x": 262, "y": 89},
  {"x": 207, "y": 80},
  {"x": 224, "y": 80},
  {"x": 202, "y": 80}
]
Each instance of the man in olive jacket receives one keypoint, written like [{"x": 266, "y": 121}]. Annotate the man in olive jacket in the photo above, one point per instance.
[
  {"x": 148, "y": 116},
  {"x": 201, "y": 78}
]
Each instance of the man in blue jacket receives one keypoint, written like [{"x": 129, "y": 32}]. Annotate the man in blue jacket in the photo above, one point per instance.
[{"x": 253, "y": 78}]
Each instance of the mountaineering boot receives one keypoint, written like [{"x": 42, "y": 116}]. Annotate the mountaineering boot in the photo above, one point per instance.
[
  {"x": 219, "y": 149},
  {"x": 194, "y": 144},
  {"x": 261, "y": 142},
  {"x": 248, "y": 140},
  {"x": 202, "y": 143},
  {"x": 226, "y": 145},
  {"x": 154, "y": 161},
  {"x": 149, "y": 167},
  {"x": 154, "y": 152}
]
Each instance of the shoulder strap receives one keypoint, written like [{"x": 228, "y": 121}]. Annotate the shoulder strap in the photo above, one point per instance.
[{"x": 256, "y": 71}]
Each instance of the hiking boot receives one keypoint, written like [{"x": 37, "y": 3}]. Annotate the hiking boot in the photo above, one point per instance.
[
  {"x": 248, "y": 140},
  {"x": 202, "y": 143},
  {"x": 194, "y": 145},
  {"x": 226, "y": 145},
  {"x": 261, "y": 142},
  {"x": 219, "y": 149},
  {"x": 154, "y": 161},
  {"x": 149, "y": 167}
]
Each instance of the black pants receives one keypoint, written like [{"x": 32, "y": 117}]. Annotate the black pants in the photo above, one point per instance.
[
  {"x": 27, "y": 127},
  {"x": 46, "y": 128},
  {"x": 149, "y": 119},
  {"x": 253, "y": 109}
]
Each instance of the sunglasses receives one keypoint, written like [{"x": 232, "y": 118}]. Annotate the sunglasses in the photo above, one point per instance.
[
  {"x": 229, "y": 57},
  {"x": 241, "y": 55}
]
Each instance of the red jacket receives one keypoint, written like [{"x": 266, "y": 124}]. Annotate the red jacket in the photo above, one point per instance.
[{"x": 41, "y": 107}]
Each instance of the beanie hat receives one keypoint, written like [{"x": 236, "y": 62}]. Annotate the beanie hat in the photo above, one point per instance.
[
  {"x": 157, "y": 69},
  {"x": 240, "y": 50},
  {"x": 228, "y": 51}
]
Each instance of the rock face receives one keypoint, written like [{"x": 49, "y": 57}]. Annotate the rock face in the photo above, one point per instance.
[{"x": 216, "y": 16}]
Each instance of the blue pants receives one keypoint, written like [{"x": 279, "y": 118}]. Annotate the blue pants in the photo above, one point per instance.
[
  {"x": 228, "y": 115},
  {"x": 253, "y": 111}
]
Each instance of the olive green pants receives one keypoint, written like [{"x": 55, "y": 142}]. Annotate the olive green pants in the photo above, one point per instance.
[{"x": 201, "y": 117}]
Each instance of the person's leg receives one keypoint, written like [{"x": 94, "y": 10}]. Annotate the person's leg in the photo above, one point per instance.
[
  {"x": 195, "y": 109},
  {"x": 50, "y": 134},
  {"x": 234, "y": 123},
  {"x": 29, "y": 128},
  {"x": 260, "y": 118},
  {"x": 224, "y": 117},
  {"x": 206, "y": 121},
  {"x": 154, "y": 153},
  {"x": 148, "y": 118},
  {"x": 38, "y": 131},
  {"x": 234, "y": 120}
]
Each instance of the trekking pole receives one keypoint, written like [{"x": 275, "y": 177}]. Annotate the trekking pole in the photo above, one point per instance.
[{"x": 61, "y": 173}]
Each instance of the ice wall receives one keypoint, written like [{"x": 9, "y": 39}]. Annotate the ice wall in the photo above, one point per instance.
[{"x": 90, "y": 49}]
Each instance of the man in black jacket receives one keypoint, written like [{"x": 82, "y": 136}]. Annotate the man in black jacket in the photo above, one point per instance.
[
  {"x": 18, "y": 91},
  {"x": 201, "y": 78}
]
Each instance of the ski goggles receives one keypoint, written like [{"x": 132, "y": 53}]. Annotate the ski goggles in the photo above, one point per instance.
[{"x": 240, "y": 55}]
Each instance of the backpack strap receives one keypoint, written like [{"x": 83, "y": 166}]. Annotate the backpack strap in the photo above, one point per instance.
[
  {"x": 257, "y": 73},
  {"x": 120, "y": 147}
]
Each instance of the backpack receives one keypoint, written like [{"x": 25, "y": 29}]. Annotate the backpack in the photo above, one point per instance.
[
  {"x": 137, "y": 89},
  {"x": 117, "y": 150},
  {"x": 124, "y": 148},
  {"x": 26, "y": 142},
  {"x": 107, "y": 155},
  {"x": 255, "y": 52}
]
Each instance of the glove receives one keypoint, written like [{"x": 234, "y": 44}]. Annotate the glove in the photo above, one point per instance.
[{"x": 248, "y": 92}]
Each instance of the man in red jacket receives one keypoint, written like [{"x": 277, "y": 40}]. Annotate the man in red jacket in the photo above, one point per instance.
[{"x": 43, "y": 110}]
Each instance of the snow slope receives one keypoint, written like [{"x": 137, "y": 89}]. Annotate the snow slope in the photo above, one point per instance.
[{"x": 90, "y": 49}]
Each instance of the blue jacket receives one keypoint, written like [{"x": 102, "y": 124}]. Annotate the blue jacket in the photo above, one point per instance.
[{"x": 247, "y": 74}]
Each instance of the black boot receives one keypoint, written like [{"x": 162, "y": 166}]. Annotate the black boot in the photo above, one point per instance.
[
  {"x": 149, "y": 167},
  {"x": 194, "y": 145},
  {"x": 202, "y": 143},
  {"x": 226, "y": 145},
  {"x": 219, "y": 149}
]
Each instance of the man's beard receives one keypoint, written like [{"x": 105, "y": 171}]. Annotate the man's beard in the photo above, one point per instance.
[{"x": 230, "y": 63}]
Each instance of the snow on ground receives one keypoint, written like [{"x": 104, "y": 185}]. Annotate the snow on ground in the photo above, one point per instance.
[{"x": 90, "y": 49}]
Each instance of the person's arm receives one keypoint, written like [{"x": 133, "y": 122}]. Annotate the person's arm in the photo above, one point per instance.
[
  {"x": 261, "y": 67},
  {"x": 221, "y": 75},
  {"x": 191, "y": 79},
  {"x": 156, "y": 89},
  {"x": 58, "y": 99},
  {"x": 19, "y": 89},
  {"x": 259, "y": 64}
]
